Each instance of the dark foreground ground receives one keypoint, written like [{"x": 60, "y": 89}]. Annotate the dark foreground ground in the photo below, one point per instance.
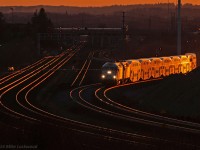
[{"x": 176, "y": 95}]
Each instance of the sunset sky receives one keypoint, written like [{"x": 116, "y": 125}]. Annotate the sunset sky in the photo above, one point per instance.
[{"x": 86, "y": 2}]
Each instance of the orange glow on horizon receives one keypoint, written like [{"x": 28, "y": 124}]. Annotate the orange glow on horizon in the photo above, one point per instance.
[{"x": 83, "y": 3}]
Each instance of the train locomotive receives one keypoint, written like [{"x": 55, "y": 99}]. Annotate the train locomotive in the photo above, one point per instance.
[{"x": 146, "y": 68}]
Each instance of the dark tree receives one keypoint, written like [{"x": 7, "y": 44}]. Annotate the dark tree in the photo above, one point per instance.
[
  {"x": 2, "y": 25},
  {"x": 41, "y": 23},
  {"x": 2, "y": 19}
]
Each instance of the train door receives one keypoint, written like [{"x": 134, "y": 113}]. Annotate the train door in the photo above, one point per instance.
[
  {"x": 166, "y": 71},
  {"x": 138, "y": 74},
  {"x": 171, "y": 69},
  {"x": 119, "y": 73},
  {"x": 153, "y": 72},
  {"x": 131, "y": 75},
  {"x": 184, "y": 68},
  {"x": 157, "y": 72},
  {"x": 176, "y": 69},
  {"x": 187, "y": 67},
  {"x": 142, "y": 74},
  {"x": 127, "y": 72},
  {"x": 163, "y": 71},
  {"x": 180, "y": 69},
  {"x": 160, "y": 71},
  {"x": 149, "y": 73}
]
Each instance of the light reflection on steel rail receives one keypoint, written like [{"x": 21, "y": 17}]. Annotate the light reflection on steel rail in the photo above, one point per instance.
[
  {"x": 85, "y": 68},
  {"x": 147, "y": 114},
  {"x": 43, "y": 77},
  {"x": 32, "y": 72},
  {"x": 20, "y": 83},
  {"x": 14, "y": 74},
  {"x": 90, "y": 106},
  {"x": 144, "y": 121},
  {"x": 127, "y": 134},
  {"x": 10, "y": 110},
  {"x": 98, "y": 109},
  {"x": 29, "y": 67},
  {"x": 65, "y": 118}
]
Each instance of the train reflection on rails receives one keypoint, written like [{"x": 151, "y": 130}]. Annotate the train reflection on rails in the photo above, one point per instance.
[{"x": 146, "y": 68}]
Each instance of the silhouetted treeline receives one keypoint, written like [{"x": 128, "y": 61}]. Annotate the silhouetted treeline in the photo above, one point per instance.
[
  {"x": 2, "y": 25},
  {"x": 107, "y": 10},
  {"x": 138, "y": 17},
  {"x": 18, "y": 40},
  {"x": 40, "y": 22}
]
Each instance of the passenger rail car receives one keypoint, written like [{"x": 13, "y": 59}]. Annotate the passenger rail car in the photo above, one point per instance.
[
  {"x": 115, "y": 73},
  {"x": 146, "y": 68},
  {"x": 156, "y": 67}
]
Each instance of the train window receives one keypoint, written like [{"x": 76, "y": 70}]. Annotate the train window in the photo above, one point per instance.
[{"x": 190, "y": 59}]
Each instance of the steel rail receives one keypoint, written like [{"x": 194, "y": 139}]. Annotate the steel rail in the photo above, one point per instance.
[
  {"x": 12, "y": 75},
  {"x": 146, "y": 114},
  {"x": 85, "y": 65}
]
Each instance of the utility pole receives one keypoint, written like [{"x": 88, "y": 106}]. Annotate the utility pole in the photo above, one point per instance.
[
  {"x": 123, "y": 24},
  {"x": 12, "y": 14},
  {"x": 124, "y": 42},
  {"x": 179, "y": 29},
  {"x": 150, "y": 22},
  {"x": 168, "y": 14}
]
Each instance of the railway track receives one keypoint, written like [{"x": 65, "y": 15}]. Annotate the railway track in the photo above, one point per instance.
[
  {"x": 83, "y": 71},
  {"x": 33, "y": 72},
  {"x": 19, "y": 72},
  {"x": 151, "y": 116},
  {"x": 156, "y": 120},
  {"x": 16, "y": 104},
  {"x": 17, "y": 93},
  {"x": 109, "y": 111}
]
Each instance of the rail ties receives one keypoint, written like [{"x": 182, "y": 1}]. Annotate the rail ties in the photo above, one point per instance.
[{"x": 83, "y": 71}]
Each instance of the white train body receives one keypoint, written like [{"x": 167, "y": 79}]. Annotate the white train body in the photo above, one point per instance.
[{"x": 146, "y": 68}]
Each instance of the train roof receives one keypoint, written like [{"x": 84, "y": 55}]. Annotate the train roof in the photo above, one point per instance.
[
  {"x": 193, "y": 54},
  {"x": 110, "y": 64},
  {"x": 182, "y": 56},
  {"x": 133, "y": 60},
  {"x": 144, "y": 59},
  {"x": 162, "y": 58},
  {"x": 174, "y": 57},
  {"x": 155, "y": 58}
]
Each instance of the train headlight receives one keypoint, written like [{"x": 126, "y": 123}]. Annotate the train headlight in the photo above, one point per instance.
[
  {"x": 114, "y": 77},
  {"x": 103, "y": 76},
  {"x": 109, "y": 72}
]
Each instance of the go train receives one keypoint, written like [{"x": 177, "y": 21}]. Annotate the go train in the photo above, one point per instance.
[{"x": 146, "y": 68}]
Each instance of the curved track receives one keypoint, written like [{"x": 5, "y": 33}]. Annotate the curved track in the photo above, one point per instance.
[
  {"x": 104, "y": 106},
  {"x": 18, "y": 110}
]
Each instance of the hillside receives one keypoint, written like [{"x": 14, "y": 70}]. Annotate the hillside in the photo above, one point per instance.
[{"x": 176, "y": 95}]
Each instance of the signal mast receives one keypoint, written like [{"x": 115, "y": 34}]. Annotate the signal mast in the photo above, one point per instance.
[{"x": 179, "y": 29}]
